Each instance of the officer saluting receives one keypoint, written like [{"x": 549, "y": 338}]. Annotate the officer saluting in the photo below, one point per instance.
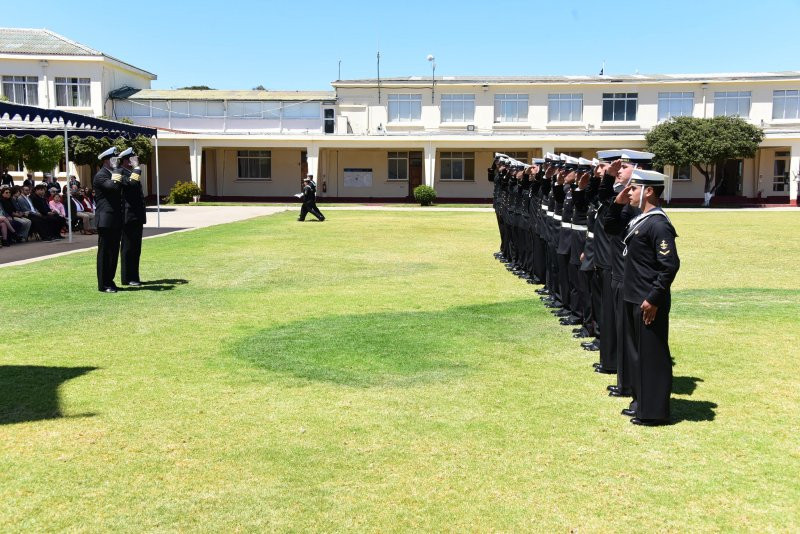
[
  {"x": 108, "y": 218},
  {"x": 309, "y": 198},
  {"x": 134, "y": 217},
  {"x": 651, "y": 263}
]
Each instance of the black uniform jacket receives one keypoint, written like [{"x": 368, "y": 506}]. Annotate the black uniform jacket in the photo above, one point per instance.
[
  {"x": 651, "y": 259},
  {"x": 107, "y": 199},
  {"x": 133, "y": 200}
]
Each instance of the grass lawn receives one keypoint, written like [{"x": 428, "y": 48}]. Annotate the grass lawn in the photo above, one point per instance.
[{"x": 382, "y": 372}]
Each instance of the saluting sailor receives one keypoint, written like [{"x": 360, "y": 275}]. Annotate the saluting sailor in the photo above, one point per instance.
[
  {"x": 651, "y": 263},
  {"x": 134, "y": 217},
  {"x": 107, "y": 185}
]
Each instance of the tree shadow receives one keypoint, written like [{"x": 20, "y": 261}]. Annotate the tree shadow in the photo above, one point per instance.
[
  {"x": 30, "y": 392},
  {"x": 380, "y": 349},
  {"x": 685, "y": 385},
  {"x": 692, "y": 410}
]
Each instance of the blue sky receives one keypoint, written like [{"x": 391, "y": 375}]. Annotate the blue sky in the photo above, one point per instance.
[{"x": 285, "y": 45}]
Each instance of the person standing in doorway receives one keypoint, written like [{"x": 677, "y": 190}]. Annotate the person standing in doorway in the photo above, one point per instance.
[{"x": 309, "y": 198}]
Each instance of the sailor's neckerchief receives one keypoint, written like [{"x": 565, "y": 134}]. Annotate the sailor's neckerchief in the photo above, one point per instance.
[{"x": 637, "y": 221}]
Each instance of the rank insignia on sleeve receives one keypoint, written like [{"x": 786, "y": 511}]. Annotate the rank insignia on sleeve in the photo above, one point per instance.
[{"x": 664, "y": 248}]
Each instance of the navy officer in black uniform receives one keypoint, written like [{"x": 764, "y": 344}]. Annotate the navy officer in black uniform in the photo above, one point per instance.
[
  {"x": 134, "y": 217},
  {"x": 107, "y": 185},
  {"x": 309, "y": 198},
  {"x": 651, "y": 263}
]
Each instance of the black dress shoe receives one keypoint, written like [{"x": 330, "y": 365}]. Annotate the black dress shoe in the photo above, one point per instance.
[
  {"x": 612, "y": 387},
  {"x": 618, "y": 393},
  {"x": 570, "y": 321},
  {"x": 604, "y": 371},
  {"x": 581, "y": 333},
  {"x": 542, "y": 291},
  {"x": 649, "y": 422},
  {"x": 594, "y": 347},
  {"x": 596, "y": 365},
  {"x": 108, "y": 290},
  {"x": 134, "y": 283},
  {"x": 628, "y": 412}
]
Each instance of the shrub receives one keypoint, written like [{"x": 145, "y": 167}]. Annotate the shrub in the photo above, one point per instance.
[
  {"x": 182, "y": 192},
  {"x": 425, "y": 195}
]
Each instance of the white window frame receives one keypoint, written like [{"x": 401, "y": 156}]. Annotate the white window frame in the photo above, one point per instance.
[
  {"x": 504, "y": 103},
  {"x": 557, "y": 101},
  {"x": 780, "y": 99},
  {"x": 456, "y": 157},
  {"x": 620, "y": 97},
  {"x": 401, "y": 160},
  {"x": 724, "y": 102},
  {"x": 72, "y": 87},
  {"x": 301, "y": 110},
  {"x": 159, "y": 109},
  {"x": 404, "y": 107},
  {"x": 253, "y": 157},
  {"x": 457, "y": 108},
  {"x": 675, "y": 104},
  {"x": 22, "y": 89},
  {"x": 780, "y": 183},
  {"x": 676, "y": 173}
]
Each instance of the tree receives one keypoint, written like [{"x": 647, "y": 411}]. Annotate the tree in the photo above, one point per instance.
[
  {"x": 9, "y": 152},
  {"x": 197, "y": 88},
  {"x": 84, "y": 151},
  {"x": 703, "y": 143},
  {"x": 43, "y": 153},
  {"x": 259, "y": 88}
]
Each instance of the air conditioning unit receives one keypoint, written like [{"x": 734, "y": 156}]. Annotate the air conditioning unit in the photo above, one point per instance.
[{"x": 470, "y": 127}]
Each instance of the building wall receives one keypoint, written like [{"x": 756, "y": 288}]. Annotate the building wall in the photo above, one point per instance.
[
  {"x": 221, "y": 174},
  {"x": 335, "y": 161},
  {"x": 173, "y": 166}
]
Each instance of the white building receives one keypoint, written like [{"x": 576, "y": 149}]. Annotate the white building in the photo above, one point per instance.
[{"x": 378, "y": 139}]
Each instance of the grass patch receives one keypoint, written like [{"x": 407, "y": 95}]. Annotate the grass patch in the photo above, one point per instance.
[{"x": 381, "y": 371}]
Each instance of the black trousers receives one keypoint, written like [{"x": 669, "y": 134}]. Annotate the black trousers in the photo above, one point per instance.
[
  {"x": 108, "y": 241},
  {"x": 587, "y": 290},
  {"x": 310, "y": 207},
  {"x": 623, "y": 367},
  {"x": 501, "y": 231},
  {"x": 131, "y": 252},
  {"x": 607, "y": 322},
  {"x": 539, "y": 259},
  {"x": 650, "y": 362},
  {"x": 563, "y": 280},
  {"x": 575, "y": 302}
]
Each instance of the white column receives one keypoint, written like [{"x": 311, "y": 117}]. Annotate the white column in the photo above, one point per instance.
[
  {"x": 195, "y": 161},
  {"x": 547, "y": 148},
  {"x": 794, "y": 173},
  {"x": 430, "y": 164},
  {"x": 312, "y": 159}
]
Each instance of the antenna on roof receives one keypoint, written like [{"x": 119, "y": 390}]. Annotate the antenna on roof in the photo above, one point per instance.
[
  {"x": 379, "y": 76},
  {"x": 603, "y": 68}
]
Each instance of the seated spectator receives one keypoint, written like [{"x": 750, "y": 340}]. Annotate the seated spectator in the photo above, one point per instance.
[
  {"x": 79, "y": 212},
  {"x": 54, "y": 220},
  {"x": 57, "y": 205},
  {"x": 73, "y": 181},
  {"x": 24, "y": 206},
  {"x": 6, "y": 230},
  {"x": 21, "y": 225}
]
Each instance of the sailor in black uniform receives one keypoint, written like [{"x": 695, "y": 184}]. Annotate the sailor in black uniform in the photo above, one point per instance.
[
  {"x": 108, "y": 218},
  {"x": 651, "y": 263},
  {"x": 134, "y": 217}
]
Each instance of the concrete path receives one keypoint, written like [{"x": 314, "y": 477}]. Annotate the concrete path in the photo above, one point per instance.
[{"x": 173, "y": 219}]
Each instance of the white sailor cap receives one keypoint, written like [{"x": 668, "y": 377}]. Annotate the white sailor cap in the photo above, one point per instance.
[
  {"x": 583, "y": 162},
  {"x": 625, "y": 154},
  {"x": 113, "y": 151},
  {"x": 128, "y": 152},
  {"x": 551, "y": 156},
  {"x": 538, "y": 161},
  {"x": 645, "y": 178},
  {"x": 595, "y": 162}
]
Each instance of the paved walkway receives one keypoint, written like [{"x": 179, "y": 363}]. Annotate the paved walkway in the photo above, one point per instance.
[{"x": 173, "y": 219}]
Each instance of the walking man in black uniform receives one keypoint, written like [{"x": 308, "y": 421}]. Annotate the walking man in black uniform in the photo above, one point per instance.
[
  {"x": 651, "y": 263},
  {"x": 134, "y": 217},
  {"x": 309, "y": 198},
  {"x": 108, "y": 218}
]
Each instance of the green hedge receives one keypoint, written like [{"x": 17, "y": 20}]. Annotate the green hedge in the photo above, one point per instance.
[
  {"x": 182, "y": 192},
  {"x": 425, "y": 195}
]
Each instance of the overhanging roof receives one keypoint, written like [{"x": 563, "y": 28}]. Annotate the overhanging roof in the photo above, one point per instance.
[
  {"x": 23, "y": 119},
  {"x": 217, "y": 94}
]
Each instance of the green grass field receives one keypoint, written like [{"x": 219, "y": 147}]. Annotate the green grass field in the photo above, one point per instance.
[{"x": 382, "y": 372}]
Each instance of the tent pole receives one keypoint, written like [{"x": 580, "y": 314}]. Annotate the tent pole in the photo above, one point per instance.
[
  {"x": 69, "y": 192},
  {"x": 158, "y": 189}
]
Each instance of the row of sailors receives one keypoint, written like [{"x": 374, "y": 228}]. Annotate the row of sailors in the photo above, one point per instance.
[{"x": 594, "y": 234}]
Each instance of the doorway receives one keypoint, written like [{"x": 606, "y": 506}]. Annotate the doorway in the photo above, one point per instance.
[
  {"x": 729, "y": 177},
  {"x": 414, "y": 172}
]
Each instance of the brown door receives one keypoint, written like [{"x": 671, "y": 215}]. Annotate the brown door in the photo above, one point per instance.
[
  {"x": 414, "y": 171},
  {"x": 303, "y": 167}
]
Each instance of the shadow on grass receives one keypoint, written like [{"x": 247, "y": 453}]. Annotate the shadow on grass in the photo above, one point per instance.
[
  {"x": 685, "y": 385},
  {"x": 379, "y": 349},
  {"x": 166, "y": 284},
  {"x": 692, "y": 410},
  {"x": 30, "y": 392}
]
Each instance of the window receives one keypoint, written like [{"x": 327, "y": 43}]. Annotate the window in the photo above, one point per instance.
[
  {"x": 244, "y": 110},
  {"x": 179, "y": 109},
  {"x": 73, "y": 92},
  {"x": 732, "y": 103},
  {"x": 619, "y": 107},
  {"x": 522, "y": 157},
  {"x": 682, "y": 173},
  {"x": 510, "y": 108},
  {"x": 255, "y": 164},
  {"x": 566, "y": 107},
  {"x": 458, "y": 108},
  {"x": 159, "y": 108},
  {"x": 457, "y": 166},
  {"x": 785, "y": 104},
  {"x": 139, "y": 108},
  {"x": 405, "y": 108},
  {"x": 398, "y": 165},
  {"x": 301, "y": 110},
  {"x": 675, "y": 105},
  {"x": 271, "y": 110},
  {"x": 205, "y": 108},
  {"x": 21, "y": 89}
]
